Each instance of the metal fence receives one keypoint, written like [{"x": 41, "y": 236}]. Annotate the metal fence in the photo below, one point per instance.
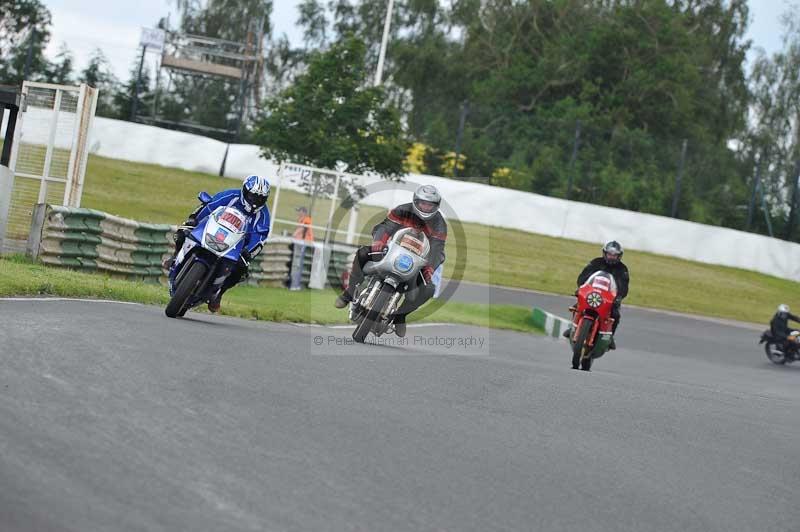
[
  {"x": 50, "y": 149},
  {"x": 317, "y": 205}
]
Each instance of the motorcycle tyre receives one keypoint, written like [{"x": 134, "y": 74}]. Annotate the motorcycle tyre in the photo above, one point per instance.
[
  {"x": 177, "y": 304},
  {"x": 778, "y": 361},
  {"x": 372, "y": 315},
  {"x": 577, "y": 348}
]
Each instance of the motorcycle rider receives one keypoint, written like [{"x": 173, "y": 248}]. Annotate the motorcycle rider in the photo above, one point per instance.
[
  {"x": 779, "y": 325},
  {"x": 251, "y": 199},
  {"x": 611, "y": 262},
  {"x": 423, "y": 215}
]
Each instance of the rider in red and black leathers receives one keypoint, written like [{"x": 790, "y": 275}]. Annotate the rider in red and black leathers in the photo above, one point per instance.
[{"x": 434, "y": 227}]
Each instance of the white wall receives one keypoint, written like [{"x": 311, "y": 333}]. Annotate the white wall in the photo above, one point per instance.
[{"x": 478, "y": 203}]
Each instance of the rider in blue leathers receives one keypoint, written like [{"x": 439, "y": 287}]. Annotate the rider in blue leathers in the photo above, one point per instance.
[{"x": 251, "y": 199}]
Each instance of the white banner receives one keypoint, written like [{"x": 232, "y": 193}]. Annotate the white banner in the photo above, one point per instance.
[{"x": 153, "y": 39}]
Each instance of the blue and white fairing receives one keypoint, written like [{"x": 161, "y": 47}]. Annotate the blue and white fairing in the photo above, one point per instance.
[{"x": 223, "y": 233}]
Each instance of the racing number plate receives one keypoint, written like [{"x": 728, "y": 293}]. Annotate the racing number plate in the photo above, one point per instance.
[{"x": 231, "y": 220}]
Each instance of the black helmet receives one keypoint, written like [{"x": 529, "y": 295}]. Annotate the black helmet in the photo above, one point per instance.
[
  {"x": 426, "y": 201},
  {"x": 612, "y": 252}
]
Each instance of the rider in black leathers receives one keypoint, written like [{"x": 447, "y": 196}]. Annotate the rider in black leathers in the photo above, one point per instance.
[
  {"x": 779, "y": 326},
  {"x": 610, "y": 262}
]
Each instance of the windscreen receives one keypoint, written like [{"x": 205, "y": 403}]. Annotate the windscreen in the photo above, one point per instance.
[
  {"x": 412, "y": 244},
  {"x": 412, "y": 240},
  {"x": 602, "y": 281}
]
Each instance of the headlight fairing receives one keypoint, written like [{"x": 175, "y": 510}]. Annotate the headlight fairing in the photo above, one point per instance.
[
  {"x": 404, "y": 263},
  {"x": 216, "y": 245},
  {"x": 595, "y": 299}
]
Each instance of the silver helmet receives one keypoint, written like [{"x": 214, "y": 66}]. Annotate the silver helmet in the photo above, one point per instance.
[
  {"x": 783, "y": 309},
  {"x": 426, "y": 201},
  {"x": 612, "y": 252}
]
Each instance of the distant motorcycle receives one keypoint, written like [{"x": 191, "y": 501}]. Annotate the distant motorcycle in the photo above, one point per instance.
[
  {"x": 592, "y": 324},
  {"x": 385, "y": 282},
  {"x": 780, "y": 352},
  {"x": 210, "y": 248}
]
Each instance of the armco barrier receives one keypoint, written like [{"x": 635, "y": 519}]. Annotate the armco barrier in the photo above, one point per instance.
[{"x": 91, "y": 240}]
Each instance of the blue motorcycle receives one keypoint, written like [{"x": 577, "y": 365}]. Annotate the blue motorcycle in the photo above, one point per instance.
[{"x": 209, "y": 254}]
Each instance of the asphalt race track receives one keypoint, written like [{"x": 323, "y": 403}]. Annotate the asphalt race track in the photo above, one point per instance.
[
  {"x": 641, "y": 329},
  {"x": 114, "y": 417}
]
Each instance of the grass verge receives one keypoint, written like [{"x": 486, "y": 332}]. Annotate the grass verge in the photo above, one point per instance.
[
  {"x": 496, "y": 256},
  {"x": 20, "y": 277}
]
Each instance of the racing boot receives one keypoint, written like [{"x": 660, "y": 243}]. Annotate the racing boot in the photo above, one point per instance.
[
  {"x": 400, "y": 326},
  {"x": 343, "y": 300},
  {"x": 567, "y": 334},
  {"x": 215, "y": 302}
]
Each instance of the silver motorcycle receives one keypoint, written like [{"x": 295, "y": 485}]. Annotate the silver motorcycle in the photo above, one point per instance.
[{"x": 386, "y": 281}]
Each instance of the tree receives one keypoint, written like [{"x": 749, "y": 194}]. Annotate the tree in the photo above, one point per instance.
[
  {"x": 60, "y": 70},
  {"x": 122, "y": 100},
  {"x": 224, "y": 19},
  {"x": 98, "y": 74},
  {"x": 640, "y": 77},
  {"x": 331, "y": 114},
  {"x": 24, "y": 34},
  {"x": 774, "y": 137},
  {"x": 312, "y": 18}
]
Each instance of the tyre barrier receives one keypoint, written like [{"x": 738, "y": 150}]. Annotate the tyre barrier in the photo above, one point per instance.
[{"x": 95, "y": 241}]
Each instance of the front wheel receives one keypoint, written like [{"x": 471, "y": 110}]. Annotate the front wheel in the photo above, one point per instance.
[
  {"x": 580, "y": 349},
  {"x": 774, "y": 354},
  {"x": 373, "y": 314},
  {"x": 177, "y": 305}
]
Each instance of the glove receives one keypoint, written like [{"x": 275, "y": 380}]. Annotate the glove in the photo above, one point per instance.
[
  {"x": 378, "y": 246},
  {"x": 427, "y": 273}
]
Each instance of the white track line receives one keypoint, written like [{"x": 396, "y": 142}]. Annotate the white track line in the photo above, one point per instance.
[{"x": 48, "y": 299}]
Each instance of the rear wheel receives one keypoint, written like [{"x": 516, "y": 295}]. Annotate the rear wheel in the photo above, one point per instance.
[
  {"x": 580, "y": 349},
  {"x": 373, "y": 314},
  {"x": 775, "y": 354},
  {"x": 188, "y": 284}
]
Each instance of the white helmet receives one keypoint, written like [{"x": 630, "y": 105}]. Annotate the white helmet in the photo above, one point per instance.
[
  {"x": 426, "y": 201},
  {"x": 783, "y": 309}
]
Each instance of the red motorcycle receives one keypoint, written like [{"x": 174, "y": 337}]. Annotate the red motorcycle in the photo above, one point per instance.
[{"x": 592, "y": 324}]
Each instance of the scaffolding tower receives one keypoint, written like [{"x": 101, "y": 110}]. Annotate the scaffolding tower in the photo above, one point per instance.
[{"x": 238, "y": 63}]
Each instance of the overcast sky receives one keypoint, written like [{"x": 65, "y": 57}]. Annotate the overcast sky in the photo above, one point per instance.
[{"x": 114, "y": 26}]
